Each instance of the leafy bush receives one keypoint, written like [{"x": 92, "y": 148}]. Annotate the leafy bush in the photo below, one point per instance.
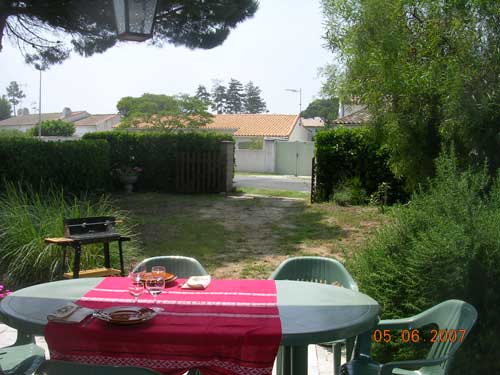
[
  {"x": 155, "y": 153},
  {"x": 350, "y": 192},
  {"x": 12, "y": 133},
  {"x": 444, "y": 244},
  {"x": 53, "y": 128},
  {"x": 76, "y": 166},
  {"x": 343, "y": 154},
  {"x": 27, "y": 217}
]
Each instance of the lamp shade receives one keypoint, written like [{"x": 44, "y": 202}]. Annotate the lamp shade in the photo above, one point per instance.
[{"x": 135, "y": 19}]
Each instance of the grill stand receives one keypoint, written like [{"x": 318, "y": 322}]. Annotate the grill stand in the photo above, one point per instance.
[{"x": 76, "y": 244}]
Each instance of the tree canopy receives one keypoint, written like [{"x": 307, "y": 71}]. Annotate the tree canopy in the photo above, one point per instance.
[
  {"x": 253, "y": 102},
  {"x": 429, "y": 72},
  {"x": 15, "y": 94},
  {"x": 47, "y": 31},
  {"x": 163, "y": 111},
  {"x": 53, "y": 128},
  {"x": 327, "y": 109},
  {"x": 5, "y": 108},
  {"x": 236, "y": 98}
]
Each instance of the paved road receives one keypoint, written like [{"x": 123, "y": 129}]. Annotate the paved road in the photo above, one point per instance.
[{"x": 273, "y": 182}]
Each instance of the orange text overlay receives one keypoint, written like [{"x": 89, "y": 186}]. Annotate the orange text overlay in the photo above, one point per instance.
[{"x": 415, "y": 336}]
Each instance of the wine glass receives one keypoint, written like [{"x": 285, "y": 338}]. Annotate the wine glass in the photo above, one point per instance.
[
  {"x": 137, "y": 271},
  {"x": 136, "y": 288},
  {"x": 158, "y": 271},
  {"x": 155, "y": 285}
]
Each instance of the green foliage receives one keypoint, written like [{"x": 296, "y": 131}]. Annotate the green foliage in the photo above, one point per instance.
[
  {"x": 12, "y": 133},
  {"x": 254, "y": 144},
  {"x": 91, "y": 28},
  {"x": 343, "y": 154},
  {"x": 234, "y": 97},
  {"x": 14, "y": 94},
  {"x": 27, "y": 217},
  {"x": 444, "y": 244},
  {"x": 326, "y": 109},
  {"x": 253, "y": 102},
  {"x": 53, "y": 128},
  {"x": 203, "y": 94},
  {"x": 429, "y": 72},
  {"x": 76, "y": 166},
  {"x": 163, "y": 112},
  {"x": 155, "y": 153},
  {"x": 5, "y": 108},
  {"x": 350, "y": 192}
]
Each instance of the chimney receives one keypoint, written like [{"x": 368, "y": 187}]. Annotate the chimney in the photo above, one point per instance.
[{"x": 66, "y": 112}]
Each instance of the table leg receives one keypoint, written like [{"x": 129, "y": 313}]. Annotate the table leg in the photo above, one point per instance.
[
  {"x": 63, "y": 263},
  {"x": 284, "y": 361},
  {"x": 76, "y": 264},
  {"x": 107, "y": 259},
  {"x": 337, "y": 352},
  {"x": 299, "y": 360},
  {"x": 120, "y": 251}
]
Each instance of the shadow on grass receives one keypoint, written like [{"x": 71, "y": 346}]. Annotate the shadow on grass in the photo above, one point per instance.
[{"x": 225, "y": 232}]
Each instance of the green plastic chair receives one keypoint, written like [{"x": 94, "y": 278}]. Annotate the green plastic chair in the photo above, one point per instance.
[
  {"x": 180, "y": 266},
  {"x": 23, "y": 357},
  {"x": 448, "y": 315},
  {"x": 71, "y": 368},
  {"x": 319, "y": 270}
]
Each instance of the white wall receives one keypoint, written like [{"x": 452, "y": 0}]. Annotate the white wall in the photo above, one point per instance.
[
  {"x": 81, "y": 130},
  {"x": 108, "y": 124},
  {"x": 257, "y": 160},
  {"x": 299, "y": 133}
]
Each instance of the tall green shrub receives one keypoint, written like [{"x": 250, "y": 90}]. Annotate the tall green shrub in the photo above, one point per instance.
[
  {"x": 27, "y": 217},
  {"x": 155, "y": 153},
  {"x": 76, "y": 166},
  {"x": 52, "y": 128},
  {"x": 343, "y": 154},
  {"x": 444, "y": 244}
]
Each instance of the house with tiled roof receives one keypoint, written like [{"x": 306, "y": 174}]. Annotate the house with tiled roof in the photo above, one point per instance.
[
  {"x": 354, "y": 117},
  {"x": 84, "y": 121},
  {"x": 251, "y": 127}
]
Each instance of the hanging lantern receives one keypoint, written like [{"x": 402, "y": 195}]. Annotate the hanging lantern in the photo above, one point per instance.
[{"x": 135, "y": 19}]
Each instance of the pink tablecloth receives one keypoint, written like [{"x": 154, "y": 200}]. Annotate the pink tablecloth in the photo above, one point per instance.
[{"x": 232, "y": 327}]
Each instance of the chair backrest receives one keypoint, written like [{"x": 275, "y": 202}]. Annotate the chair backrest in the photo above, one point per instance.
[
  {"x": 180, "y": 266},
  {"x": 314, "y": 269},
  {"x": 64, "y": 368},
  {"x": 451, "y": 317}
]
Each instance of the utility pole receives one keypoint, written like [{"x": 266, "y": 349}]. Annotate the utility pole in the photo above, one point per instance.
[{"x": 40, "y": 105}]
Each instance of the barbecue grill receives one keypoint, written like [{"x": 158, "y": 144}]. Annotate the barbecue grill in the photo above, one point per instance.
[{"x": 90, "y": 230}]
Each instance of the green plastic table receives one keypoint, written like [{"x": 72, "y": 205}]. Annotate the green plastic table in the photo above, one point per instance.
[{"x": 310, "y": 313}]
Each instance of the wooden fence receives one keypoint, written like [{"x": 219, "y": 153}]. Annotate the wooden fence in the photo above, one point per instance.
[
  {"x": 201, "y": 172},
  {"x": 314, "y": 181}
]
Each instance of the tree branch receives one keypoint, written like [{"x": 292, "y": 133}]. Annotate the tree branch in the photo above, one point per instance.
[{"x": 3, "y": 22}]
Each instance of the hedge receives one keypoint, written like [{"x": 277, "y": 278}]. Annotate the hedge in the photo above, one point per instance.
[
  {"x": 344, "y": 154},
  {"x": 75, "y": 166},
  {"x": 155, "y": 153}
]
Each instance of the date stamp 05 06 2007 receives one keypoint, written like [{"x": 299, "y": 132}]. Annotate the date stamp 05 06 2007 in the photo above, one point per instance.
[{"x": 415, "y": 336}]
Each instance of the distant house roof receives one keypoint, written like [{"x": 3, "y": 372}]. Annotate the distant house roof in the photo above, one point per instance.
[
  {"x": 255, "y": 125},
  {"x": 316, "y": 122},
  {"x": 359, "y": 117},
  {"x": 93, "y": 120},
  {"x": 79, "y": 118}
]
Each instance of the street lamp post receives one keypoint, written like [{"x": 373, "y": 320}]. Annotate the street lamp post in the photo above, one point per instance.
[
  {"x": 300, "y": 101},
  {"x": 40, "y": 105}
]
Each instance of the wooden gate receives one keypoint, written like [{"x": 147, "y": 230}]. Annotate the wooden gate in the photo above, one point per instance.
[{"x": 201, "y": 172}]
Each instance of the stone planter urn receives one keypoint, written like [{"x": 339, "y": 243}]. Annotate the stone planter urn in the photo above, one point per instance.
[{"x": 128, "y": 182}]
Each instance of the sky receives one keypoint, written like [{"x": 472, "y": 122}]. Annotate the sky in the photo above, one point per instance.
[{"x": 280, "y": 48}]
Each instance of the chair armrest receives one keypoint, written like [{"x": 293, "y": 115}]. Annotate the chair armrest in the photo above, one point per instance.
[
  {"x": 387, "y": 368},
  {"x": 397, "y": 323}
]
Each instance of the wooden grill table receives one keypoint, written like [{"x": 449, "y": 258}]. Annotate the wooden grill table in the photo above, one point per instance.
[{"x": 310, "y": 313}]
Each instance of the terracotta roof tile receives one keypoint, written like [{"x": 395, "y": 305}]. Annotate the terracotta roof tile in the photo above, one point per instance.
[{"x": 255, "y": 125}]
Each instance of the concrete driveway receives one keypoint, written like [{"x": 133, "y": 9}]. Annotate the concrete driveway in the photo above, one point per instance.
[{"x": 273, "y": 182}]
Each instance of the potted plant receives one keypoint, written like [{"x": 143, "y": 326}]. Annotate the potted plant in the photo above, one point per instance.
[{"x": 128, "y": 176}]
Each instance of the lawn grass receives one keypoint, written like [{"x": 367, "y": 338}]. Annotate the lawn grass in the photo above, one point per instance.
[
  {"x": 243, "y": 236},
  {"x": 274, "y": 193}
]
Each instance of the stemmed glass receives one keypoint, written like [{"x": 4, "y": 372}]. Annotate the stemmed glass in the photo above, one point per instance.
[
  {"x": 136, "y": 276},
  {"x": 155, "y": 285}
]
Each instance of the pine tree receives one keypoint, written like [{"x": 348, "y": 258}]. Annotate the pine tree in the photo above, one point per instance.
[
  {"x": 235, "y": 97},
  {"x": 203, "y": 95},
  {"x": 218, "y": 98},
  {"x": 253, "y": 101},
  {"x": 5, "y": 108},
  {"x": 14, "y": 93}
]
